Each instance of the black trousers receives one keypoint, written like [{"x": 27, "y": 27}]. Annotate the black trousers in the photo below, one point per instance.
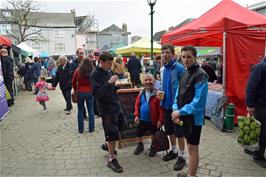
[
  {"x": 67, "y": 96},
  {"x": 135, "y": 80},
  {"x": 28, "y": 84},
  {"x": 260, "y": 115}
]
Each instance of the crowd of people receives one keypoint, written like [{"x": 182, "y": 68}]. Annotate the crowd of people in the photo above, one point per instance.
[{"x": 176, "y": 92}]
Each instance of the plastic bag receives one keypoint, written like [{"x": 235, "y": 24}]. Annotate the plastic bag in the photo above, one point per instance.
[{"x": 8, "y": 96}]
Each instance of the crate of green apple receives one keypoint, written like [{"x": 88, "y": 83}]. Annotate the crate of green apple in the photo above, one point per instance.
[{"x": 249, "y": 131}]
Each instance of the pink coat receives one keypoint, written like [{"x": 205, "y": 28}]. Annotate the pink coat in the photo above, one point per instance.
[{"x": 42, "y": 95}]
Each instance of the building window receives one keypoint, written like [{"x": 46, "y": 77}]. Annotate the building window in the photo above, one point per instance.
[
  {"x": 116, "y": 38},
  {"x": 6, "y": 13},
  {"x": 37, "y": 45},
  {"x": 59, "y": 47},
  {"x": 90, "y": 41},
  {"x": 5, "y": 29},
  {"x": 59, "y": 34}
]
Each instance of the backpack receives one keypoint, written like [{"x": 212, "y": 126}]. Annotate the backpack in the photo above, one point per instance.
[{"x": 160, "y": 141}]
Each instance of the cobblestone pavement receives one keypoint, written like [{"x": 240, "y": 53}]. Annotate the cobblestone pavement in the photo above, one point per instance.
[{"x": 36, "y": 144}]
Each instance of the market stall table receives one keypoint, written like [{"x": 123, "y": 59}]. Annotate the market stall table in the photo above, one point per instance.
[{"x": 214, "y": 105}]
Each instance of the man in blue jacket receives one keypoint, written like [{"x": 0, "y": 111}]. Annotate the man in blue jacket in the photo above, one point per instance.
[
  {"x": 36, "y": 70},
  {"x": 171, "y": 75},
  {"x": 189, "y": 105},
  {"x": 256, "y": 104}
]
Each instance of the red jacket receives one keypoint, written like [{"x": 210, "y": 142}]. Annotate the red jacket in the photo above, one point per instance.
[
  {"x": 156, "y": 111},
  {"x": 81, "y": 83}
]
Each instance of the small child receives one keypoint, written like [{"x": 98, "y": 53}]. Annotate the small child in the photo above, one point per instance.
[
  {"x": 148, "y": 113},
  {"x": 42, "y": 96}
]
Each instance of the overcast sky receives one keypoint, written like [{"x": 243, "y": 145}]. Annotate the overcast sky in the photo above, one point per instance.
[{"x": 135, "y": 13}]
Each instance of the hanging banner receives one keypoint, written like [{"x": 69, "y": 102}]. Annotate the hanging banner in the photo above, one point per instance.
[{"x": 3, "y": 103}]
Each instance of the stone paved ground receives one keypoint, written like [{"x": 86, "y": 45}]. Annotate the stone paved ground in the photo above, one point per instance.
[{"x": 35, "y": 144}]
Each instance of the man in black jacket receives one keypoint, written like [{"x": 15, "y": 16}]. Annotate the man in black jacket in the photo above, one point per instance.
[
  {"x": 104, "y": 91},
  {"x": 75, "y": 63},
  {"x": 63, "y": 76},
  {"x": 134, "y": 68},
  {"x": 256, "y": 104},
  {"x": 8, "y": 73}
]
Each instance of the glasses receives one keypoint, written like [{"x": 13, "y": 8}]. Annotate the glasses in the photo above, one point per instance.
[{"x": 80, "y": 53}]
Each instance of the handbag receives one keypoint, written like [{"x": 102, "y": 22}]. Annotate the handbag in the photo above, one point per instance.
[
  {"x": 74, "y": 94},
  {"x": 74, "y": 97}
]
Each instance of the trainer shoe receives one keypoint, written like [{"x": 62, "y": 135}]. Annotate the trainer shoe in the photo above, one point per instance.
[
  {"x": 182, "y": 174},
  {"x": 105, "y": 148},
  {"x": 152, "y": 152},
  {"x": 170, "y": 156},
  {"x": 180, "y": 163},
  {"x": 114, "y": 165},
  {"x": 139, "y": 149},
  {"x": 257, "y": 156},
  {"x": 44, "y": 111}
]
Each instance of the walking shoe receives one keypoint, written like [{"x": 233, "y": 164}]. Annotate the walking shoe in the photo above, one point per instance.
[
  {"x": 180, "y": 163},
  {"x": 260, "y": 157},
  {"x": 249, "y": 152},
  {"x": 44, "y": 111},
  {"x": 105, "y": 147},
  {"x": 139, "y": 149},
  {"x": 152, "y": 152},
  {"x": 182, "y": 174},
  {"x": 114, "y": 165},
  {"x": 170, "y": 156},
  {"x": 68, "y": 112},
  {"x": 66, "y": 109}
]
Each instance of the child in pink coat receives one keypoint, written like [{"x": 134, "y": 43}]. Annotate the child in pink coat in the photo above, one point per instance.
[{"x": 42, "y": 96}]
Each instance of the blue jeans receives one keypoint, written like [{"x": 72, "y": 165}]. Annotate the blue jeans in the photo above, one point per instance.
[{"x": 88, "y": 98}]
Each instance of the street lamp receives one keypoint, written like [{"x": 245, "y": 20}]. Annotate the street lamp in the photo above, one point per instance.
[{"x": 151, "y": 4}]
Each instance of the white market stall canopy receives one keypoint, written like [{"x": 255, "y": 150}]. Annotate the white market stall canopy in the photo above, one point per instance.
[{"x": 28, "y": 49}]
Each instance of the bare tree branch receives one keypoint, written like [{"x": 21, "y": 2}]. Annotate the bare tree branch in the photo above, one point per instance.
[
  {"x": 22, "y": 17},
  {"x": 87, "y": 24},
  {"x": 32, "y": 33}
]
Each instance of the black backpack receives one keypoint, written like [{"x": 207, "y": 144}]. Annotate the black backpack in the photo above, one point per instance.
[{"x": 160, "y": 141}]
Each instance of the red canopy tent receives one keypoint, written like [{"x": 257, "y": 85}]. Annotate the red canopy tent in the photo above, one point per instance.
[
  {"x": 239, "y": 31},
  {"x": 5, "y": 41}
]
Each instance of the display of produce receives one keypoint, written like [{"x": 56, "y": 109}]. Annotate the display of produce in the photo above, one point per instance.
[{"x": 249, "y": 130}]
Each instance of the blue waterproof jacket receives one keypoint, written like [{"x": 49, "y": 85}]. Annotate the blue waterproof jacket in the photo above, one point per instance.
[
  {"x": 36, "y": 70},
  {"x": 191, "y": 95},
  {"x": 176, "y": 72}
]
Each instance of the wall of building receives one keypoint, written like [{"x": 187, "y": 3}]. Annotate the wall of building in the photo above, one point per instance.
[
  {"x": 55, "y": 41},
  {"x": 112, "y": 39}
]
